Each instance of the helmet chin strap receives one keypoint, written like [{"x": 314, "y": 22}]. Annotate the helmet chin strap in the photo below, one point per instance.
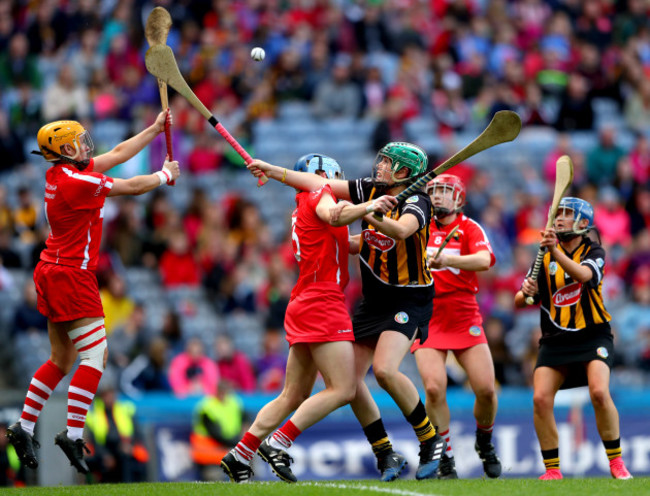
[
  {"x": 80, "y": 165},
  {"x": 442, "y": 212}
]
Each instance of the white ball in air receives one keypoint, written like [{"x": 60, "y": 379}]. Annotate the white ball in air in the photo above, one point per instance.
[{"x": 258, "y": 54}]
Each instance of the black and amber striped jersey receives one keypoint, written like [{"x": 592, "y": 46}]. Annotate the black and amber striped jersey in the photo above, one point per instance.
[
  {"x": 568, "y": 305},
  {"x": 393, "y": 269}
]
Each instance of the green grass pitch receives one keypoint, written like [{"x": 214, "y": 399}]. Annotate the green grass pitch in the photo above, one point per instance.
[{"x": 503, "y": 487}]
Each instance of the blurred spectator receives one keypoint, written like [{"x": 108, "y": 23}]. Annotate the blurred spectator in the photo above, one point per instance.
[
  {"x": 87, "y": 59},
  {"x": 26, "y": 216},
  {"x": 18, "y": 65},
  {"x": 6, "y": 214},
  {"x": 603, "y": 158},
  {"x": 11, "y": 145},
  {"x": 271, "y": 365},
  {"x": 148, "y": 371},
  {"x": 129, "y": 339},
  {"x": 637, "y": 107},
  {"x": 12, "y": 473},
  {"x": 218, "y": 423},
  {"x": 27, "y": 318},
  {"x": 172, "y": 334},
  {"x": 10, "y": 259},
  {"x": 177, "y": 263},
  {"x": 576, "y": 112},
  {"x": 124, "y": 233},
  {"x": 234, "y": 366},
  {"x": 640, "y": 211},
  {"x": 118, "y": 305},
  {"x": 634, "y": 319},
  {"x": 504, "y": 368},
  {"x": 192, "y": 372},
  {"x": 206, "y": 155},
  {"x": 611, "y": 219},
  {"x": 337, "y": 96},
  {"x": 119, "y": 453},
  {"x": 66, "y": 99},
  {"x": 640, "y": 159}
]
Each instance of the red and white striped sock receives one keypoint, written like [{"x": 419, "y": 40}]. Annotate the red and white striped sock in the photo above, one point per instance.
[
  {"x": 81, "y": 392},
  {"x": 447, "y": 437},
  {"x": 246, "y": 448},
  {"x": 284, "y": 437},
  {"x": 485, "y": 429},
  {"x": 43, "y": 383}
]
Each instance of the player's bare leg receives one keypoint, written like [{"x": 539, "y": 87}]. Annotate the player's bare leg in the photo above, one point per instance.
[
  {"x": 62, "y": 357},
  {"x": 298, "y": 383},
  {"x": 389, "y": 463},
  {"x": 431, "y": 366},
  {"x": 607, "y": 420},
  {"x": 334, "y": 361},
  {"x": 546, "y": 383},
  {"x": 477, "y": 362}
]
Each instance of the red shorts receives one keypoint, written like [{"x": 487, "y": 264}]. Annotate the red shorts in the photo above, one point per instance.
[
  {"x": 456, "y": 324},
  {"x": 318, "y": 315},
  {"x": 66, "y": 293}
]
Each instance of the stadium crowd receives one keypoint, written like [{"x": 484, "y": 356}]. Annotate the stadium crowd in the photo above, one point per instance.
[{"x": 188, "y": 284}]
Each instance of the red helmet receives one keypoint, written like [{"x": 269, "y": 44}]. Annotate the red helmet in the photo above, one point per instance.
[{"x": 458, "y": 193}]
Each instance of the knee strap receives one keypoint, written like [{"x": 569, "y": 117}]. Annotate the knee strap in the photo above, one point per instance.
[{"x": 90, "y": 342}]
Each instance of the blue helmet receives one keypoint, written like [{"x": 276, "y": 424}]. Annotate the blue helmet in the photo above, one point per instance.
[
  {"x": 581, "y": 210},
  {"x": 313, "y": 162}
]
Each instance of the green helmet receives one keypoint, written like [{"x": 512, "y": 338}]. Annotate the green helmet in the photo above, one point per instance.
[{"x": 407, "y": 155}]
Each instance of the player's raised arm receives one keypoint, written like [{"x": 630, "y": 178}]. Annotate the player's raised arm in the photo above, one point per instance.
[
  {"x": 131, "y": 147},
  {"x": 139, "y": 185},
  {"x": 299, "y": 178}
]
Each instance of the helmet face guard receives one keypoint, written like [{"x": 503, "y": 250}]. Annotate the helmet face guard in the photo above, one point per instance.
[
  {"x": 316, "y": 162},
  {"x": 53, "y": 138},
  {"x": 451, "y": 190},
  {"x": 581, "y": 210},
  {"x": 399, "y": 155}
]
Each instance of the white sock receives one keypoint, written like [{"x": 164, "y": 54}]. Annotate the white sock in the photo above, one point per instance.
[
  {"x": 240, "y": 459},
  {"x": 75, "y": 433},
  {"x": 27, "y": 426},
  {"x": 274, "y": 443}
]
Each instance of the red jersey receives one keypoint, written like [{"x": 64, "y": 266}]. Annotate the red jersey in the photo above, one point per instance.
[
  {"x": 320, "y": 249},
  {"x": 74, "y": 208},
  {"x": 470, "y": 238}
]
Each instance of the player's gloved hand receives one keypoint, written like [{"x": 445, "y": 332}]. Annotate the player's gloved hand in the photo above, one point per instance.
[{"x": 529, "y": 287}]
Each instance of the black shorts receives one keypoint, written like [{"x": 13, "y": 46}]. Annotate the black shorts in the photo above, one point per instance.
[
  {"x": 573, "y": 356},
  {"x": 406, "y": 318}
]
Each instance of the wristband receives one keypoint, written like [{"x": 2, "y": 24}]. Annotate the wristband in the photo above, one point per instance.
[
  {"x": 284, "y": 175},
  {"x": 164, "y": 175},
  {"x": 370, "y": 208}
]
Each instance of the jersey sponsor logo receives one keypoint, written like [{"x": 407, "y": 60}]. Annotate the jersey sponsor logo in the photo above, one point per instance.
[
  {"x": 401, "y": 317},
  {"x": 568, "y": 295},
  {"x": 552, "y": 268},
  {"x": 378, "y": 240},
  {"x": 412, "y": 199},
  {"x": 602, "y": 352},
  {"x": 344, "y": 331},
  {"x": 102, "y": 183},
  {"x": 475, "y": 331},
  {"x": 600, "y": 262}
]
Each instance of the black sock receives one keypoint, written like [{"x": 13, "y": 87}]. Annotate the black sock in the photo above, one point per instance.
[
  {"x": 551, "y": 458},
  {"x": 378, "y": 438},
  {"x": 420, "y": 422}
]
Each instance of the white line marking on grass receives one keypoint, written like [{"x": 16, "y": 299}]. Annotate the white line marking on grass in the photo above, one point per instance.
[{"x": 376, "y": 489}]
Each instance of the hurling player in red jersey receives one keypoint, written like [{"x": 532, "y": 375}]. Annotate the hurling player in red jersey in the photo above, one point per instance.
[
  {"x": 397, "y": 292},
  {"x": 318, "y": 327},
  {"x": 68, "y": 296},
  {"x": 456, "y": 325}
]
